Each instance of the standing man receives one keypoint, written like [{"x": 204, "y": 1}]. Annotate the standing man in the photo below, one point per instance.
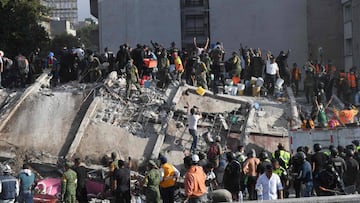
[
  {"x": 26, "y": 181},
  {"x": 53, "y": 65},
  {"x": 81, "y": 193},
  {"x": 169, "y": 176},
  {"x": 282, "y": 156},
  {"x": 304, "y": 175},
  {"x": 9, "y": 186},
  {"x": 232, "y": 176},
  {"x": 271, "y": 72},
  {"x": 270, "y": 185},
  {"x": 152, "y": 181},
  {"x": 249, "y": 169},
  {"x": 69, "y": 184},
  {"x": 296, "y": 77},
  {"x": 132, "y": 78},
  {"x": 194, "y": 182},
  {"x": 214, "y": 152},
  {"x": 122, "y": 177},
  {"x": 194, "y": 115}
]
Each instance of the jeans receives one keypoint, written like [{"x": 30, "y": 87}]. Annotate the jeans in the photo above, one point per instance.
[
  {"x": 308, "y": 189},
  {"x": 194, "y": 142},
  {"x": 26, "y": 197},
  {"x": 7, "y": 200}
]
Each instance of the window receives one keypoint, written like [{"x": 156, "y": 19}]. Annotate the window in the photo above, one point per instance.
[
  {"x": 194, "y": 3},
  {"x": 348, "y": 47},
  {"x": 195, "y": 25},
  {"x": 347, "y": 12}
]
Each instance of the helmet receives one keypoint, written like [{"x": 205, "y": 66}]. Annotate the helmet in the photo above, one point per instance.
[
  {"x": 356, "y": 142},
  {"x": 300, "y": 156},
  {"x": 230, "y": 156},
  {"x": 195, "y": 158},
  {"x": 51, "y": 54},
  {"x": 6, "y": 169},
  {"x": 334, "y": 151},
  {"x": 300, "y": 149},
  {"x": 349, "y": 153},
  {"x": 280, "y": 146},
  {"x": 317, "y": 147},
  {"x": 263, "y": 155}
]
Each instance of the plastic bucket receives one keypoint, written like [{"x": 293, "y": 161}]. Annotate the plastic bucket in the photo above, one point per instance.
[
  {"x": 234, "y": 91},
  {"x": 240, "y": 92},
  {"x": 147, "y": 83},
  {"x": 260, "y": 82},
  {"x": 279, "y": 82},
  {"x": 200, "y": 91},
  {"x": 256, "y": 91},
  {"x": 229, "y": 82},
  {"x": 253, "y": 80}
]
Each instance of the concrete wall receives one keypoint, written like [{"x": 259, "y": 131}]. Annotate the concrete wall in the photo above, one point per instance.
[
  {"x": 136, "y": 21},
  {"x": 326, "y": 30},
  {"x": 356, "y": 33},
  {"x": 270, "y": 25}
]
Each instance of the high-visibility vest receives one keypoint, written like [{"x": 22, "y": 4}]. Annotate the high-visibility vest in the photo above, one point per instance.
[
  {"x": 285, "y": 156},
  {"x": 168, "y": 178},
  {"x": 352, "y": 80},
  {"x": 178, "y": 64}
]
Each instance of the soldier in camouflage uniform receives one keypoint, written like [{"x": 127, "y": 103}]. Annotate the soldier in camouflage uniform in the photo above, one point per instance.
[
  {"x": 132, "y": 77},
  {"x": 69, "y": 184},
  {"x": 152, "y": 181},
  {"x": 200, "y": 73}
]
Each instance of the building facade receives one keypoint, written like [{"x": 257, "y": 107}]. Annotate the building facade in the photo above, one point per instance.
[
  {"x": 63, "y": 10},
  {"x": 351, "y": 23},
  {"x": 312, "y": 29}
]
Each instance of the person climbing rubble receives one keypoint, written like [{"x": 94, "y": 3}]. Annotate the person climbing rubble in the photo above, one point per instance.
[
  {"x": 132, "y": 78},
  {"x": 194, "y": 115}
]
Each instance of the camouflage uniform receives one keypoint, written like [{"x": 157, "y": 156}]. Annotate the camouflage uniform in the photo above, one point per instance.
[
  {"x": 200, "y": 71},
  {"x": 131, "y": 78},
  {"x": 152, "y": 190},
  {"x": 68, "y": 186}
]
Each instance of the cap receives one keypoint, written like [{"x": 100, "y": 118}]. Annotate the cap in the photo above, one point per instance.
[
  {"x": 6, "y": 169},
  {"x": 269, "y": 167},
  {"x": 163, "y": 159},
  {"x": 195, "y": 158}
]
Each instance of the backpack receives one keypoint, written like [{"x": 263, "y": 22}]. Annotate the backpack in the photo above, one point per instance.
[{"x": 213, "y": 151}]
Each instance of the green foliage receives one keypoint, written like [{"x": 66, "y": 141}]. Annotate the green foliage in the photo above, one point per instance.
[
  {"x": 88, "y": 36},
  {"x": 64, "y": 40},
  {"x": 20, "y": 31}
]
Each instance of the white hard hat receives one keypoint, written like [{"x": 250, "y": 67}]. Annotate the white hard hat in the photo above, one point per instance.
[
  {"x": 6, "y": 169},
  {"x": 195, "y": 158}
]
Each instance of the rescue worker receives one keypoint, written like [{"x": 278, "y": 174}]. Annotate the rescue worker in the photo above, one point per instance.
[
  {"x": 351, "y": 174},
  {"x": 68, "y": 184},
  {"x": 295, "y": 78},
  {"x": 232, "y": 176},
  {"x": 200, "y": 73},
  {"x": 282, "y": 173},
  {"x": 169, "y": 177},
  {"x": 282, "y": 156},
  {"x": 122, "y": 177},
  {"x": 81, "y": 174},
  {"x": 214, "y": 152},
  {"x": 338, "y": 162},
  {"x": 112, "y": 166},
  {"x": 235, "y": 65},
  {"x": 327, "y": 181},
  {"x": 152, "y": 182},
  {"x": 249, "y": 169},
  {"x": 26, "y": 182},
  {"x": 163, "y": 70},
  {"x": 132, "y": 78},
  {"x": 264, "y": 161},
  {"x": 303, "y": 175},
  {"x": 309, "y": 86},
  {"x": 194, "y": 182},
  {"x": 179, "y": 68},
  {"x": 22, "y": 65},
  {"x": 9, "y": 186},
  {"x": 53, "y": 65},
  {"x": 318, "y": 161},
  {"x": 94, "y": 69},
  {"x": 347, "y": 115}
]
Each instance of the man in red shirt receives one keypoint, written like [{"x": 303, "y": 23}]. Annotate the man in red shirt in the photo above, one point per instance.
[{"x": 194, "y": 182}]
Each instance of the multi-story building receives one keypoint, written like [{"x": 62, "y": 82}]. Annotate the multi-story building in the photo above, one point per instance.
[
  {"x": 312, "y": 29},
  {"x": 351, "y": 13},
  {"x": 63, "y": 10}
]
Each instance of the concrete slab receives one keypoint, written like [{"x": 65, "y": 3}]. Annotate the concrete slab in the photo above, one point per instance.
[{"x": 41, "y": 123}]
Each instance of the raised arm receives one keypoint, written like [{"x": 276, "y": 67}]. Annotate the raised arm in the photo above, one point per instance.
[{"x": 207, "y": 43}]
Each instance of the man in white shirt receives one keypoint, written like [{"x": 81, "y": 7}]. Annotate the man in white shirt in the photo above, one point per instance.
[
  {"x": 272, "y": 71},
  {"x": 270, "y": 184},
  {"x": 193, "y": 116}
]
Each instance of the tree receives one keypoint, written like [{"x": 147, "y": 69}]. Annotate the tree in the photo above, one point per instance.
[
  {"x": 20, "y": 31},
  {"x": 64, "y": 40}
]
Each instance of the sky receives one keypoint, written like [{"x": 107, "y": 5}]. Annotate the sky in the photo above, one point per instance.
[{"x": 83, "y": 9}]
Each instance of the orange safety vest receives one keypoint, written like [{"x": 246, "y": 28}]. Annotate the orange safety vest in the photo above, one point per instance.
[
  {"x": 346, "y": 116},
  {"x": 168, "y": 178},
  {"x": 178, "y": 64},
  {"x": 352, "y": 80}
]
